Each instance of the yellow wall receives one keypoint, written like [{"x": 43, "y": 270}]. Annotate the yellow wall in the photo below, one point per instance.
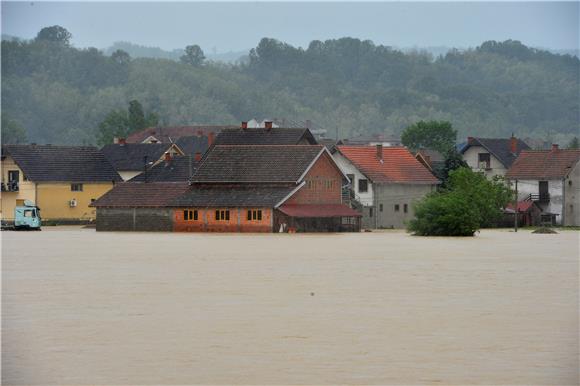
[
  {"x": 8, "y": 199},
  {"x": 54, "y": 198}
]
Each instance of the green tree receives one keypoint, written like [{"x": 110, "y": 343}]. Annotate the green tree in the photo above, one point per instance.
[
  {"x": 470, "y": 201},
  {"x": 120, "y": 123},
  {"x": 54, "y": 34},
  {"x": 12, "y": 132},
  {"x": 121, "y": 57},
  {"x": 194, "y": 56},
  {"x": 453, "y": 160},
  {"x": 436, "y": 135},
  {"x": 574, "y": 143},
  {"x": 449, "y": 214}
]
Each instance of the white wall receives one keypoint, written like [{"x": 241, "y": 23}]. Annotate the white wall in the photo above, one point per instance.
[
  {"x": 527, "y": 187},
  {"x": 348, "y": 168},
  {"x": 471, "y": 156}
]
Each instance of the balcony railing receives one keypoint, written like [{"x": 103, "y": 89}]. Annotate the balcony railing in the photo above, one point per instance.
[
  {"x": 540, "y": 197},
  {"x": 10, "y": 186}
]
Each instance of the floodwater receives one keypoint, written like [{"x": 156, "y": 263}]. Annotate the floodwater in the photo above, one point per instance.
[{"x": 81, "y": 307}]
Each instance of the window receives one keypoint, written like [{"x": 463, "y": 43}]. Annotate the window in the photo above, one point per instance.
[
  {"x": 351, "y": 178},
  {"x": 484, "y": 161},
  {"x": 76, "y": 187},
  {"x": 13, "y": 175},
  {"x": 370, "y": 212},
  {"x": 397, "y": 207},
  {"x": 222, "y": 215},
  {"x": 255, "y": 215},
  {"x": 189, "y": 215},
  {"x": 405, "y": 208},
  {"x": 363, "y": 186},
  {"x": 380, "y": 207}
]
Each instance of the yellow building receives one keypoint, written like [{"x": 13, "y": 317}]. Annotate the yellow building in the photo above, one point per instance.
[{"x": 61, "y": 180}]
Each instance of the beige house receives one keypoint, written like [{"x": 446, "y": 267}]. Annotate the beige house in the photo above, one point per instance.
[{"x": 61, "y": 180}]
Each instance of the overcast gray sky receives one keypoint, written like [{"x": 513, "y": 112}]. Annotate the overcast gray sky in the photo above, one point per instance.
[{"x": 240, "y": 25}]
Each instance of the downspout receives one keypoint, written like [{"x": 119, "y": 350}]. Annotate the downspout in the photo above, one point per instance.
[{"x": 564, "y": 201}]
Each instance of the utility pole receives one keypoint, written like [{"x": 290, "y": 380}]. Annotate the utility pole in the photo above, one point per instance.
[{"x": 516, "y": 209}]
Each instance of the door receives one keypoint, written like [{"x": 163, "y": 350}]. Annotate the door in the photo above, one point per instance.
[{"x": 544, "y": 191}]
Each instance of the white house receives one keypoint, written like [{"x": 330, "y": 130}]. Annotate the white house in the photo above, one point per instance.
[
  {"x": 493, "y": 156},
  {"x": 551, "y": 178}
]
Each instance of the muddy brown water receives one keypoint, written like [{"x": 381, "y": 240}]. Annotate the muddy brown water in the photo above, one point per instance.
[{"x": 81, "y": 307}]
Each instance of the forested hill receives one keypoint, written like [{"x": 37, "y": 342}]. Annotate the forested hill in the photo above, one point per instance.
[{"x": 60, "y": 94}]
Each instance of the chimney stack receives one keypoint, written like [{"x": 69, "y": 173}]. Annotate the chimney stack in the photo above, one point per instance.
[
  {"x": 513, "y": 144},
  {"x": 268, "y": 125},
  {"x": 380, "y": 151},
  {"x": 308, "y": 123},
  {"x": 122, "y": 141},
  {"x": 199, "y": 133},
  {"x": 197, "y": 157},
  {"x": 244, "y": 125},
  {"x": 210, "y": 138},
  {"x": 469, "y": 140},
  {"x": 555, "y": 147},
  {"x": 115, "y": 140}
]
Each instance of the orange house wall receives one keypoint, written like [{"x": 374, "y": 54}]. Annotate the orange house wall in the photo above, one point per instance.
[
  {"x": 207, "y": 222},
  {"x": 317, "y": 192}
]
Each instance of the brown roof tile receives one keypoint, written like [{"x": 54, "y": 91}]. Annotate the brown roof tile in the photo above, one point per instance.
[
  {"x": 543, "y": 164},
  {"x": 139, "y": 194}
]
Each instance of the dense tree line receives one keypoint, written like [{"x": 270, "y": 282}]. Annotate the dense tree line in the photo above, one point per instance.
[{"x": 61, "y": 94}]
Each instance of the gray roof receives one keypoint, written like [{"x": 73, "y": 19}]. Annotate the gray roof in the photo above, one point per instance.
[
  {"x": 261, "y": 136},
  {"x": 141, "y": 195},
  {"x": 255, "y": 163},
  {"x": 49, "y": 163},
  {"x": 233, "y": 196},
  {"x": 176, "y": 170},
  {"x": 130, "y": 156},
  {"x": 193, "y": 144},
  {"x": 499, "y": 147}
]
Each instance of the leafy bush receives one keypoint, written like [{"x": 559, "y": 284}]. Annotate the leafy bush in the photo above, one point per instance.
[
  {"x": 470, "y": 201},
  {"x": 445, "y": 214}
]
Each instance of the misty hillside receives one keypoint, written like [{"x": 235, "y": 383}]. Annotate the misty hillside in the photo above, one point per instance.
[{"x": 60, "y": 93}]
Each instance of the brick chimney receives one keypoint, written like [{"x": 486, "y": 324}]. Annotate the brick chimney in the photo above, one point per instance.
[
  {"x": 469, "y": 140},
  {"x": 197, "y": 157},
  {"x": 268, "y": 125},
  {"x": 380, "y": 151},
  {"x": 244, "y": 125},
  {"x": 555, "y": 147},
  {"x": 513, "y": 144},
  {"x": 122, "y": 141},
  {"x": 210, "y": 138}
]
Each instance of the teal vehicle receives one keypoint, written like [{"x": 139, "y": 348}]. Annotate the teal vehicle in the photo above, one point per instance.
[{"x": 27, "y": 217}]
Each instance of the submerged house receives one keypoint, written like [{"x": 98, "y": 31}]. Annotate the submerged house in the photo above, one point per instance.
[
  {"x": 131, "y": 159},
  {"x": 492, "y": 156},
  {"x": 247, "y": 188},
  {"x": 550, "y": 178},
  {"x": 61, "y": 180},
  {"x": 266, "y": 188},
  {"x": 385, "y": 182}
]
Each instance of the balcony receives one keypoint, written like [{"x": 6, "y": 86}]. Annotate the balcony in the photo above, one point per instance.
[
  {"x": 10, "y": 186},
  {"x": 539, "y": 197}
]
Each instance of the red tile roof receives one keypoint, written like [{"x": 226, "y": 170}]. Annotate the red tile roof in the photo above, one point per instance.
[
  {"x": 398, "y": 165},
  {"x": 543, "y": 164},
  {"x": 523, "y": 206},
  {"x": 329, "y": 210}
]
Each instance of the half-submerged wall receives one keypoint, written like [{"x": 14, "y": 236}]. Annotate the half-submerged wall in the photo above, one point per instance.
[{"x": 135, "y": 219}]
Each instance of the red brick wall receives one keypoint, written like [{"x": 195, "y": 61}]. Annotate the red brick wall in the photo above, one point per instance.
[
  {"x": 207, "y": 222},
  {"x": 323, "y": 184}
]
